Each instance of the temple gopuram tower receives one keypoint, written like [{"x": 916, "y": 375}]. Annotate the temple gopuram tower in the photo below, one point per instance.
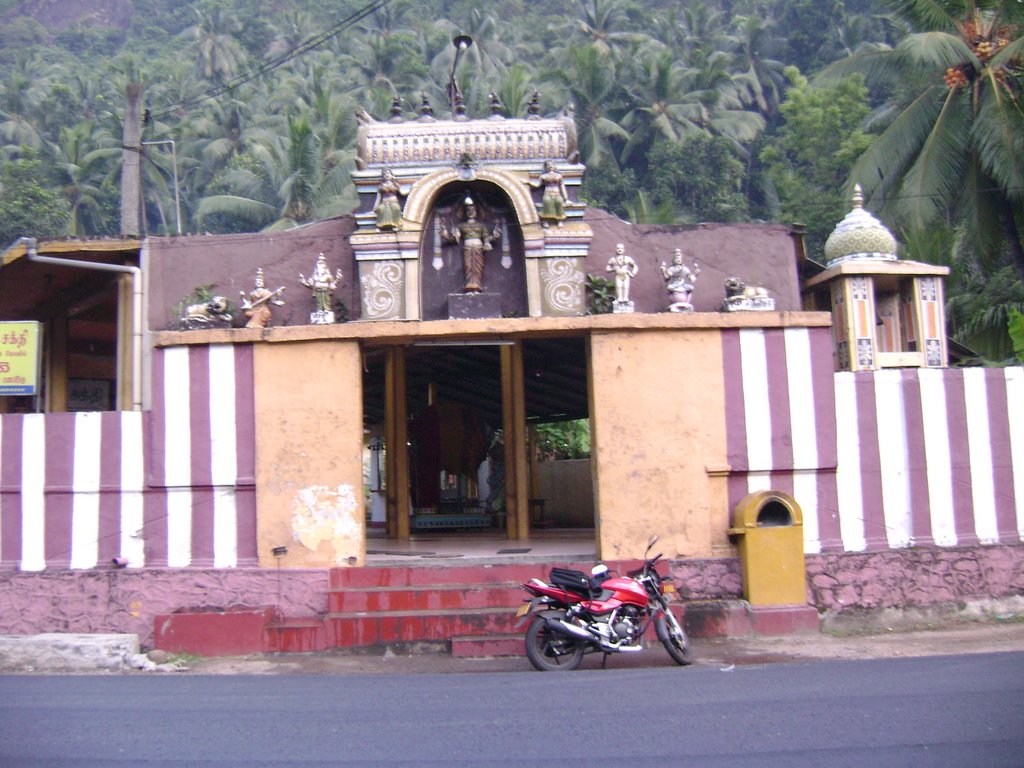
[{"x": 469, "y": 218}]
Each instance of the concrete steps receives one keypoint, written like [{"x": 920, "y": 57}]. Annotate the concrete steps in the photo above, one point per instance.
[
  {"x": 472, "y": 607},
  {"x": 469, "y": 608}
]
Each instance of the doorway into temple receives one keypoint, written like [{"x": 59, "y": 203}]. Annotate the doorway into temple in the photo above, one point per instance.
[{"x": 468, "y": 416}]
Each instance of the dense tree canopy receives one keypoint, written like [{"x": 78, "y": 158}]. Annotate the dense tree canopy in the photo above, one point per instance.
[
  {"x": 950, "y": 154},
  {"x": 685, "y": 109}
]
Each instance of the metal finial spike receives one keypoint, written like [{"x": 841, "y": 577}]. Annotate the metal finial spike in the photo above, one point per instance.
[{"x": 858, "y": 196}]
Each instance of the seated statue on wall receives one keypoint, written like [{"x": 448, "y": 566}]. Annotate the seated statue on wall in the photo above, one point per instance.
[
  {"x": 257, "y": 305},
  {"x": 679, "y": 280}
]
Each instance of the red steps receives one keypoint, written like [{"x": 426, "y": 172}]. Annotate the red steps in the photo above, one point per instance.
[
  {"x": 443, "y": 597},
  {"x": 469, "y": 607},
  {"x": 434, "y": 603},
  {"x": 295, "y": 636}
]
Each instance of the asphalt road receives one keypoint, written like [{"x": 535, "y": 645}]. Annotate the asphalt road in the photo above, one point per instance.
[{"x": 928, "y": 711}]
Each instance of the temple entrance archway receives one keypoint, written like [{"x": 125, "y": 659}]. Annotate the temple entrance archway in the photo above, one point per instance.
[{"x": 425, "y": 394}]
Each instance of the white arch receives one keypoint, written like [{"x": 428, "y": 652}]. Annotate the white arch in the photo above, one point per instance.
[{"x": 425, "y": 191}]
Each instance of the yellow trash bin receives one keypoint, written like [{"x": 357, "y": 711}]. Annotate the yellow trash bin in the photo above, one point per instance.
[{"x": 768, "y": 526}]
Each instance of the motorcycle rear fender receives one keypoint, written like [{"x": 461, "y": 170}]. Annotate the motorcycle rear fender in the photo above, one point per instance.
[
  {"x": 557, "y": 594},
  {"x": 541, "y": 604}
]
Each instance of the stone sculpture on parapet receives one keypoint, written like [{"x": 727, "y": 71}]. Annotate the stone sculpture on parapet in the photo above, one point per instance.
[
  {"x": 679, "y": 280},
  {"x": 322, "y": 284},
  {"x": 740, "y": 297},
  {"x": 625, "y": 269},
  {"x": 257, "y": 305}
]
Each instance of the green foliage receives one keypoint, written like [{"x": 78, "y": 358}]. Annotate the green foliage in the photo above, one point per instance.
[
  {"x": 702, "y": 176},
  {"x": 809, "y": 26},
  {"x": 17, "y": 35},
  {"x": 1016, "y": 330},
  {"x": 953, "y": 135},
  {"x": 600, "y": 295},
  {"x": 980, "y": 314},
  {"x": 563, "y": 440},
  {"x": 87, "y": 38},
  {"x": 609, "y": 187},
  {"x": 27, "y": 208},
  {"x": 807, "y": 158},
  {"x": 670, "y": 100}
]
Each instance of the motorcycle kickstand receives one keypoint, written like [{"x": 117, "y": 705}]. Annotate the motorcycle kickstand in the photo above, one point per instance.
[{"x": 604, "y": 660}]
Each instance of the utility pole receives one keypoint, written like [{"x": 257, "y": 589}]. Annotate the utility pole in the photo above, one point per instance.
[{"x": 131, "y": 163}]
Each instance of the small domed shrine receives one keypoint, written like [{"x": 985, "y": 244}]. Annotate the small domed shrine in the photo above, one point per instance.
[{"x": 886, "y": 312}]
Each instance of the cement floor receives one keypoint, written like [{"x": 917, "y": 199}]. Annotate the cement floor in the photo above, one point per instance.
[{"x": 474, "y": 546}]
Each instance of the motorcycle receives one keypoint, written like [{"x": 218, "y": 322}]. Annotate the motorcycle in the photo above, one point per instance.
[{"x": 578, "y": 614}]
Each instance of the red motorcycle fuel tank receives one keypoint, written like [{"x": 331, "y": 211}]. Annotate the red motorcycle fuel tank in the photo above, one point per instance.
[{"x": 623, "y": 591}]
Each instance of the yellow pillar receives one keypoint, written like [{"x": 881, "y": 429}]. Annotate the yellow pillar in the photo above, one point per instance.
[
  {"x": 56, "y": 373},
  {"x": 309, "y": 458},
  {"x": 514, "y": 427},
  {"x": 397, "y": 442},
  {"x": 125, "y": 347}
]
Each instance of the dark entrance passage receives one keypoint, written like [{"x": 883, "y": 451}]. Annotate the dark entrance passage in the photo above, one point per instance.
[{"x": 464, "y": 412}]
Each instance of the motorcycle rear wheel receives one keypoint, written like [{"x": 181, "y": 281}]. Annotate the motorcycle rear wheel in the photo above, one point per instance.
[
  {"x": 674, "y": 638},
  {"x": 550, "y": 651}
]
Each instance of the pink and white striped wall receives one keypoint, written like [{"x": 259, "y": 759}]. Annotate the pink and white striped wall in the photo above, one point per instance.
[
  {"x": 170, "y": 487},
  {"x": 930, "y": 456},
  {"x": 877, "y": 459}
]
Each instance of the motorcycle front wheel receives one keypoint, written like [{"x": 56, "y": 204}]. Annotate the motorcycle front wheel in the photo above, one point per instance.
[
  {"x": 550, "y": 651},
  {"x": 674, "y": 639}
]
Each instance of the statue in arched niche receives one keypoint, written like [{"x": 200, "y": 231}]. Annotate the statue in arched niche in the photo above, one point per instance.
[{"x": 476, "y": 238}]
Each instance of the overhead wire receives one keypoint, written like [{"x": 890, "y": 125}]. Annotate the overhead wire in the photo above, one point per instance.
[{"x": 269, "y": 66}]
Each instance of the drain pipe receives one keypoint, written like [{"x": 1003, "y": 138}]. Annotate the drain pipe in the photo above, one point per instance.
[{"x": 136, "y": 273}]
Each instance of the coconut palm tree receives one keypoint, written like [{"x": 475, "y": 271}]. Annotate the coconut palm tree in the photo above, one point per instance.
[
  {"x": 689, "y": 26},
  {"x": 664, "y": 104},
  {"x": 955, "y": 149},
  {"x": 761, "y": 79},
  {"x": 77, "y": 165},
  {"x": 380, "y": 61},
  {"x": 515, "y": 87},
  {"x": 219, "y": 56},
  {"x": 589, "y": 77},
  {"x": 25, "y": 88},
  {"x": 293, "y": 184},
  {"x": 490, "y": 52},
  {"x": 717, "y": 87},
  {"x": 599, "y": 23}
]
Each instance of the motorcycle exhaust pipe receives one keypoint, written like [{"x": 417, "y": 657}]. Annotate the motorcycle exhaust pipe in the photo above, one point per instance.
[{"x": 558, "y": 625}]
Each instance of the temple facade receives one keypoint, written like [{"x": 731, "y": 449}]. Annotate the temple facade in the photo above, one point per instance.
[{"x": 251, "y": 420}]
